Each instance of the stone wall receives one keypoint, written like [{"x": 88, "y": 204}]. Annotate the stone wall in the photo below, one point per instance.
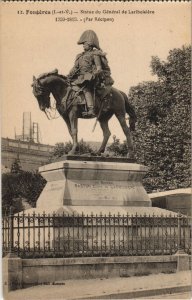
[
  {"x": 51, "y": 270},
  {"x": 22, "y": 273}
]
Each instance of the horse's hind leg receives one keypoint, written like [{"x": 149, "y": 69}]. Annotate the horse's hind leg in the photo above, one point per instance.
[
  {"x": 73, "y": 122},
  {"x": 126, "y": 130},
  {"x": 106, "y": 135}
]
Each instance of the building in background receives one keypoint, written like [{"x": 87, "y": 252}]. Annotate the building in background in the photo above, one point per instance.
[
  {"x": 30, "y": 155},
  {"x": 178, "y": 200},
  {"x": 26, "y": 149}
]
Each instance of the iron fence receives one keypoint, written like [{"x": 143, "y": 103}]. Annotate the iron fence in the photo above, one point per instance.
[{"x": 35, "y": 235}]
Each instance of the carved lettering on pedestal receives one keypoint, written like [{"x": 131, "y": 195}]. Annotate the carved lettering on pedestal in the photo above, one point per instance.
[
  {"x": 101, "y": 190},
  {"x": 103, "y": 186}
]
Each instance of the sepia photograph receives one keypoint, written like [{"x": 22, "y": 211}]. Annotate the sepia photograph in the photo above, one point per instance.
[{"x": 95, "y": 150}]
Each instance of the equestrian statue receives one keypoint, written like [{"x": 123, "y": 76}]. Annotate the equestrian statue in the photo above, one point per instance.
[{"x": 86, "y": 93}]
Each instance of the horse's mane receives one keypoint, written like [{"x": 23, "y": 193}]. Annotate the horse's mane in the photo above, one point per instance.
[{"x": 54, "y": 72}]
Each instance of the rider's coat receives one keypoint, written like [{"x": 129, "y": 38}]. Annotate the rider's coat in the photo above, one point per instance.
[{"x": 86, "y": 65}]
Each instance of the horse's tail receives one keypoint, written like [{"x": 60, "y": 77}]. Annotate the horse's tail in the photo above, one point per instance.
[{"x": 130, "y": 111}]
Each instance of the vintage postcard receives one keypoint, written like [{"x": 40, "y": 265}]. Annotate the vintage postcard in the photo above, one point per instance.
[{"x": 95, "y": 149}]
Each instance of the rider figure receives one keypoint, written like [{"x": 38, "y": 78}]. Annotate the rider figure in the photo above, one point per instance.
[{"x": 91, "y": 69}]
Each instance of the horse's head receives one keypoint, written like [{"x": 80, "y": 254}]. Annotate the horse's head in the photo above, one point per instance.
[
  {"x": 41, "y": 93},
  {"x": 46, "y": 84}
]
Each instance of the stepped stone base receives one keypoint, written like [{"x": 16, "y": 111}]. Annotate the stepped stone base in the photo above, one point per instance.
[{"x": 104, "y": 210}]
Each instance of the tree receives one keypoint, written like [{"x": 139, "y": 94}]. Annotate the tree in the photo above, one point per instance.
[
  {"x": 162, "y": 136},
  {"x": 64, "y": 148},
  {"x": 118, "y": 149},
  {"x": 20, "y": 185},
  {"x": 16, "y": 166}
]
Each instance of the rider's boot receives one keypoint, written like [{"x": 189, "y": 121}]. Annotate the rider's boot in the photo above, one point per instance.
[{"x": 89, "y": 100}]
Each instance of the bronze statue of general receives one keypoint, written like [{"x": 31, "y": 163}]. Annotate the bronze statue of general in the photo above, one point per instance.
[
  {"x": 91, "y": 70},
  {"x": 86, "y": 92}
]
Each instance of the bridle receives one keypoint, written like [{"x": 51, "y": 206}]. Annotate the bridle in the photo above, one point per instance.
[{"x": 40, "y": 90}]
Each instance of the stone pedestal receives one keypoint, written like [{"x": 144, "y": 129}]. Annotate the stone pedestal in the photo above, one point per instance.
[
  {"x": 93, "y": 185},
  {"x": 12, "y": 273},
  {"x": 183, "y": 263}
]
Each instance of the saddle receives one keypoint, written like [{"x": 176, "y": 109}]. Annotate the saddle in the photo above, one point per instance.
[{"x": 75, "y": 96}]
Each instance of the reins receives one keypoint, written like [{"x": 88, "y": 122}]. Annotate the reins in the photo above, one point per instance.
[{"x": 48, "y": 113}]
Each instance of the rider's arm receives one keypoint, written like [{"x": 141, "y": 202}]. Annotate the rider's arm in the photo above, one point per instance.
[
  {"x": 97, "y": 61},
  {"x": 73, "y": 72},
  {"x": 75, "y": 68}
]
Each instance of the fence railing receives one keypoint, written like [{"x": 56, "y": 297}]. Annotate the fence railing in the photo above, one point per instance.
[{"x": 35, "y": 235}]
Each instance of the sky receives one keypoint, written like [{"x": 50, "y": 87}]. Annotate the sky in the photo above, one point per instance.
[{"x": 32, "y": 44}]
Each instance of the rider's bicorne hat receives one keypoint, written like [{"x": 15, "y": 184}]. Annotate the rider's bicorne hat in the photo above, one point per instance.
[{"x": 90, "y": 37}]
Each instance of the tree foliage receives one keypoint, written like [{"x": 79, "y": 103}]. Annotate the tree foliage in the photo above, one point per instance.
[
  {"x": 163, "y": 133},
  {"x": 117, "y": 148},
  {"x": 162, "y": 136},
  {"x": 64, "y": 148},
  {"x": 20, "y": 185},
  {"x": 16, "y": 166}
]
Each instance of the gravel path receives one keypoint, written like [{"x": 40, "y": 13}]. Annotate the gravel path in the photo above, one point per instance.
[{"x": 73, "y": 289}]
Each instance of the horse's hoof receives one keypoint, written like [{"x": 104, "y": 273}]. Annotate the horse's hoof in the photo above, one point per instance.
[
  {"x": 102, "y": 154},
  {"x": 98, "y": 153}
]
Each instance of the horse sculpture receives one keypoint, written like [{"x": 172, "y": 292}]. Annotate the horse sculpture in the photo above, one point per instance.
[{"x": 57, "y": 85}]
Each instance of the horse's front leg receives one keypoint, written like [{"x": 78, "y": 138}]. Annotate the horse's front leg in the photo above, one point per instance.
[
  {"x": 106, "y": 135},
  {"x": 74, "y": 122},
  {"x": 67, "y": 121}
]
